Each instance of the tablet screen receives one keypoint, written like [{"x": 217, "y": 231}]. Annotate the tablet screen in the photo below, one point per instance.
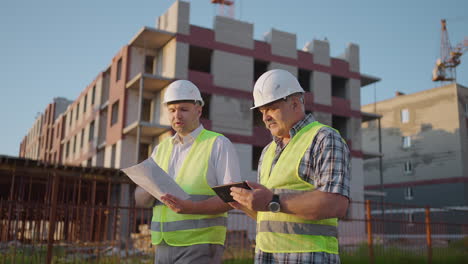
[{"x": 224, "y": 191}]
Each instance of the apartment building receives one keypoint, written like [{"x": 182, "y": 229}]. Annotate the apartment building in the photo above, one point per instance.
[
  {"x": 41, "y": 142},
  {"x": 118, "y": 119},
  {"x": 425, "y": 147}
]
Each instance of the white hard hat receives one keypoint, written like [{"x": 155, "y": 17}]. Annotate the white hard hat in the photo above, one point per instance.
[
  {"x": 274, "y": 85},
  {"x": 182, "y": 90}
]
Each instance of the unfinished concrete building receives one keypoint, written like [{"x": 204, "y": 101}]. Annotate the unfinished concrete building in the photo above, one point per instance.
[
  {"x": 43, "y": 139},
  {"x": 118, "y": 119},
  {"x": 425, "y": 147}
]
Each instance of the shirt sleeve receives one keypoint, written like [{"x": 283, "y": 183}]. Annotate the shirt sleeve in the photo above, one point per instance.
[
  {"x": 226, "y": 161},
  {"x": 330, "y": 159}
]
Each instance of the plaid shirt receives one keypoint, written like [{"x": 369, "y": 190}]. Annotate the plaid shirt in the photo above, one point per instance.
[{"x": 326, "y": 165}]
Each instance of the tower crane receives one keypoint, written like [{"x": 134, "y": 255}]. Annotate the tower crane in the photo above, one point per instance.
[
  {"x": 445, "y": 68},
  {"x": 226, "y": 7}
]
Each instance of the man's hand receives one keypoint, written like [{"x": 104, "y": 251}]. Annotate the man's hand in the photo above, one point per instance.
[
  {"x": 178, "y": 205},
  {"x": 256, "y": 199}
]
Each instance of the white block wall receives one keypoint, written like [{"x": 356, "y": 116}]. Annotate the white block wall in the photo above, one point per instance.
[
  {"x": 355, "y": 132},
  {"x": 322, "y": 88},
  {"x": 234, "y": 71},
  {"x": 282, "y": 43},
  {"x": 176, "y": 18},
  {"x": 321, "y": 51},
  {"x": 231, "y": 115},
  {"x": 233, "y": 32}
]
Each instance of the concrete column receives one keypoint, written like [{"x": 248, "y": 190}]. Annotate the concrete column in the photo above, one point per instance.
[
  {"x": 355, "y": 130},
  {"x": 181, "y": 61},
  {"x": 131, "y": 111},
  {"x": 322, "y": 88},
  {"x": 282, "y": 43},
  {"x": 234, "y": 71},
  {"x": 351, "y": 55},
  {"x": 127, "y": 156},
  {"x": 321, "y": 51},
  {"x": 354, "y": 90},
  {"x": 174, "y": 61},
  {"x": 108, "y": 155},
  {"x": 233, "y": 32},
  {"x": 138, "y": 61},
  {"x": 176, "y": 19}
]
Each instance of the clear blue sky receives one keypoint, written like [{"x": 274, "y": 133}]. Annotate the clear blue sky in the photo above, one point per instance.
[{"x": 54, "y": 48}]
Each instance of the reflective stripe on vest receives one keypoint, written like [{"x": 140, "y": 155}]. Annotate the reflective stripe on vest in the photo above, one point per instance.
[
  {"x": 298, "y": 228},
  {"x": 188, "y": 229},
  {"x": 280, "y": 232},
  {"x": 189, "y": 224}
]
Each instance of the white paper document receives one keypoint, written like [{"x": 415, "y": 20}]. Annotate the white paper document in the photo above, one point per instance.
[{"x": 149, "y": 176}]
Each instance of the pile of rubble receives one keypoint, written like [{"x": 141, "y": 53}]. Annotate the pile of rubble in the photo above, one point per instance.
[{"x": 142, "y": 240}]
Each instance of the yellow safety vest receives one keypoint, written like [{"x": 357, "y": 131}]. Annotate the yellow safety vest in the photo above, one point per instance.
[
  {"x": 286, "y": 233},
  {"x": 188, "y": 229}
]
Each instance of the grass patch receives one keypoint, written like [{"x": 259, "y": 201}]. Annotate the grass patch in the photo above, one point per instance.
[
  {"x": 456, "y": 253},
  {"x": 38, "y": 255}
]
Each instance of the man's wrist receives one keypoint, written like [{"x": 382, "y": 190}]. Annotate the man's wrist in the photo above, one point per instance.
[{"x": 275, "y": 206}]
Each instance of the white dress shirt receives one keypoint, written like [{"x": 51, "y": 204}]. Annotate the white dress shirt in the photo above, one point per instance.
[{"x": 223, "y": 166}]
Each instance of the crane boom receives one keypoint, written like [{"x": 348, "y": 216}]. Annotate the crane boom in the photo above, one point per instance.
[{"x": 445, "y": 68}]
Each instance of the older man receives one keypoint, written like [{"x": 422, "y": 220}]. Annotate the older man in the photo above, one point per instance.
[
  {"x": 193, "y": 230},
  {"x": 303, "y": 175}
]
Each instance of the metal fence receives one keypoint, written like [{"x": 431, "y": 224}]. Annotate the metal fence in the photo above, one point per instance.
[
  {"x": 42, "y": 233},
  {"x": 398, "y": 233},
  {"x": 54, "y": 214},
  {"x": 61, "y": 214}
]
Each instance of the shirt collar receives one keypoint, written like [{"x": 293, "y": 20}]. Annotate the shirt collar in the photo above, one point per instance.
[
  {"x": 309, "y": 118},
  {"x": 176, "y": 139}
]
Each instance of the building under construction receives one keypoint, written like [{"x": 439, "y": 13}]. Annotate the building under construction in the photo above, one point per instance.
[{"x": 118, "y": 119}]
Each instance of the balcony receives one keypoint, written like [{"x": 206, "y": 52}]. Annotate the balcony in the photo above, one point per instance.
[
  {"x": 151, "y": 38},
  {"x": 366, "y": 117},
  {"x": 368, "y": 79},
  {"x": 148, "y": 129},
  {"x": 151, "y": 82}
]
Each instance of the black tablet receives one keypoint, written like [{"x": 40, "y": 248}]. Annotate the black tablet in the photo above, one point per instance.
[{"x": 224, "y": 191}]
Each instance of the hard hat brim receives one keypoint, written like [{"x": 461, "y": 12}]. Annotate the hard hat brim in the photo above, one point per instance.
[
  {"x": 184, "y": 101},
  {"x": 283, "y": 98},
  {"x": 272, "y": 102}
]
